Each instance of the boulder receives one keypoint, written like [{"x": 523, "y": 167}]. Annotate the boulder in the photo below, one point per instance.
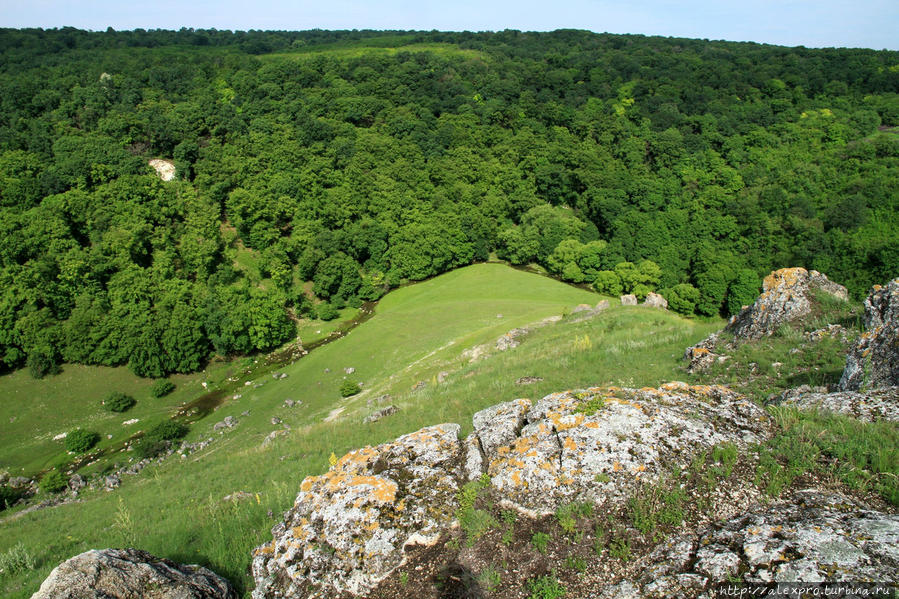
[
  {"x": 870, "y": 406},
  {"x": 622, "y": 435},
  {"x": 511, "y": 339},
  {"x": 348, "y": 528},
  {"x": 629, "y": 300},
  {"x": 131, "y": 574},
  {"x": 874, "y": 361},
  {"x": 786, "y": 297},
  {"x": 382, "y": 413},
  {"x": 654, "y": 300},
  {"x": 814, "y": 536}
]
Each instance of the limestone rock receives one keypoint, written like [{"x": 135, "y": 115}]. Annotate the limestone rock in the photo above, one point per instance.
[
  {"x": 500, "y": 424},
  {"x": 511, "y": 339},
  {"x": 625, "y": 435},
  {"x": 580, "y": 308},
  {"x": 629, "y": 300},
  {"x": 131, "y": 574},
  {"x": 348, "y": 527},
  {"x": 815, "y": 536},
  {"x": 870, "y": 406},
  {"x": 528, "y": 380},
  {"x": 382, "y": 413},
  {"x": 587, "y": 314},
  {"x": 654, "y": 300},
  {"x": 874, "y": 361},
  {"x": 786, "y": 297}
]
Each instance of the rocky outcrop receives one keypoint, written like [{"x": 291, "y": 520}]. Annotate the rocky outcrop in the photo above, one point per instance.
[
  {"x": 870, "y": 406},
  {"x": 511, "y": 339},
  {"x": 629, "y": 300},
  {"x": 597, "y": 444},
  {"x": 786, "y": 297},
  {"x": 382, "y": 413},
  {"x": 131, "y": 574},
  {"x": 349, "y": 527},
  {"x": 815, "y": 536},
  {"x": 654, "y": 300},
  {"x": 874, "y": 361}
]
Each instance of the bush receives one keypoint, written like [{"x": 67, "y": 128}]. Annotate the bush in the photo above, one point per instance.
[
  {"x": 161, "y": 388},
  {"x": 8, "y": 497},
  {"x": 157, "y": 439},
  {"x": 348, "y": 388},
  {"x": 326, "y": 311},
  {"x": 41, "y": 364},
  {"x": 682, "y": 298},
  {"x": 608, "y": 283},
  {"x": 80, "y": 440},
  {"x": 119, "y": 402},
  {"x": 54, "y": 482}
]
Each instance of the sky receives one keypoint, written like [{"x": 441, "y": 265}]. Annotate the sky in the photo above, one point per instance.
[{"x": 811, "y": 23}]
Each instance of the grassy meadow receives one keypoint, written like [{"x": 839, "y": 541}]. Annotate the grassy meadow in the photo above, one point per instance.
[{"x": 176, "y": 509}]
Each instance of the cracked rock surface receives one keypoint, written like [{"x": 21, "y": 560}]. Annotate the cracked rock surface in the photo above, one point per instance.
[
  {"x": 815, "y": 536},
  {"x": 131, "y": 574},
  {"x": 870, "y": 406},
  {"x": 874, "y": 361}
]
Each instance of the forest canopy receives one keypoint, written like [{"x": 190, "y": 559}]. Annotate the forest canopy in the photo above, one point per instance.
[{"x": 318, "y": 169}]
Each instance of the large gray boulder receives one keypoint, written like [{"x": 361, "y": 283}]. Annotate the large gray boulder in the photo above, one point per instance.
[
  {"x": 348, "y": 528},
  {"x": 870, "y": 406},
  {"x": 131, "y": 574},
  {"x": 786, "y": 297},
  {"x": 874, "y": 361},
  {"x": 815, "y": 536}
]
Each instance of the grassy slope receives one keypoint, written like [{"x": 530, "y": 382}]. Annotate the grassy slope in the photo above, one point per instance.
[{"x": 176, "y": 509}]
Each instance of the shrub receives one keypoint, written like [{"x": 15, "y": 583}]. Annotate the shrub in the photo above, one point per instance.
[
  {"x": 161, "y": 388},
  {"x": 119, "y": 402},
  {"x": 80, "y": 440},
  {"x": 545, "y": 587},
  {"x": 326, "y": 311},
  {"x": 41, "y": 364},
  {"x": 349, "y": 387},
  {"x": 608, "y": 283},
  {"x": 8, "y": 497},
  {"x": 682, "y": 298},
  {"x": 540, "y": 541},
  {"x": 16, "y": 559},
  {"x": 156, "y": 440},
  {"x": 54, "y": 482}
]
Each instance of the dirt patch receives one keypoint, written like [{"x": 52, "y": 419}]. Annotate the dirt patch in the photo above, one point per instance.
[{"x": 165, "y": 169}]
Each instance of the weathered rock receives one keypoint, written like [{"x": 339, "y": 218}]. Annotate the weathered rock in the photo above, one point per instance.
[
  {"x": 237, "y": 496},
  {"x": 349, "y": 370},
  {"x": 786, "y": 297},
  {"x": 228, "y": 422},
  {"x": 348, "y": 527},
  {"x": 629, "y": 300},
  {"x": 874, "y": 361},
  {"x": 76, "y": 483},
  {"x": 589, "y": 313},
  {"x": 474, "y": 457},
  {"x": 270, "y": 438},
  {"x": 382, "y": 413},
  {"x": 511, "y": 339},
  {"x": 580, "y": 308},
  {"x": 654, "y": 300},
  {"x": 832, "y": 331},
  {"x": 18, "y": 482},
  {"x": 131, "y": 574},
  {"x": 275, "y": 420},
  {"x": 500, "y": 424},
  {"x": 870, "y": 406},
  {"x": 528, "y": 380},
  {"x": 112, "y": 481},
  {"x": 625, "y": 435},
  {"x": 815, "y": 536}
]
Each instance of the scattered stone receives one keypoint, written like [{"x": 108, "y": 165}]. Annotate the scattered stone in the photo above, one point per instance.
[
  {"x": 511, "y": 339},
  {"x": 499, "y": 315},
  {"x": 237, "y": 496},
  {"x": 590, "y": 312},
  {"x": 245, "y": 413},
  {"x": 276, "y": 420},
  {"x": 228, "y": 422},
  {"x": 419, "y": 386},
  {"x": 19, "y": 482},
  {"x": 130, "y": 422},
  {"x": 111, "y": 481},
  {"x": 580, "y": 308},
  {"x": 629, "y": 300},
  {"x": 786, "y": 297},
  {"x": 327, "y": 370},
  {"x": 814, "y": 536},
  {"x": 382, "y": 413},
  {"x": 874, "y": 361},
  {"x": 270, "y": 438},
  {"x": 349, "y": 370},
  {"x": 76, "y": 483},
  {"x": 654, "y": 300},
  {"x": 870, "y": 406},
  {"x": 528, "y": 380},
  {"x": 60, "y": 436},
  {"x": 289, "y": 403},
  {"x": 349, "y": 527},
  {"x": 833, "y": 331},
  {"x": 131, "y": 573},
  {"x": 442, "y": 376}
]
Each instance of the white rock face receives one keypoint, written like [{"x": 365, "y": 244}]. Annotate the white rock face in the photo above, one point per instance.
[
  {"x": 874, "y": 361},
  {"x": 165, "y": 169}
]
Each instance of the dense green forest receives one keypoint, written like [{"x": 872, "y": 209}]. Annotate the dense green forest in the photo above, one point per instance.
[{"x": 344, "y": 163}]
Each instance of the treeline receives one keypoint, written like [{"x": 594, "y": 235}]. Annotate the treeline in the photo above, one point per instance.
[{"x": 325, "y": 174}]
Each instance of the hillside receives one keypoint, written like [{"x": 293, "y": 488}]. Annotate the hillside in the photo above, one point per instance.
[
  {"x": 177, "y": 508},
  {"x": 317, "y": 170}
]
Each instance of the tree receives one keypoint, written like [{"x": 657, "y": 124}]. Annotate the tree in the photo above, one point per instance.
[{"x": 742, "y": 291}]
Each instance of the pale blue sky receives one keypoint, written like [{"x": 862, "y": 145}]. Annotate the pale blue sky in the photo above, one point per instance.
[{"x": 812, "y": 23}]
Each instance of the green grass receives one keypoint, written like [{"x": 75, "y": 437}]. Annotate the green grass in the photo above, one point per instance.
[{"x": 175, "y": 510}]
